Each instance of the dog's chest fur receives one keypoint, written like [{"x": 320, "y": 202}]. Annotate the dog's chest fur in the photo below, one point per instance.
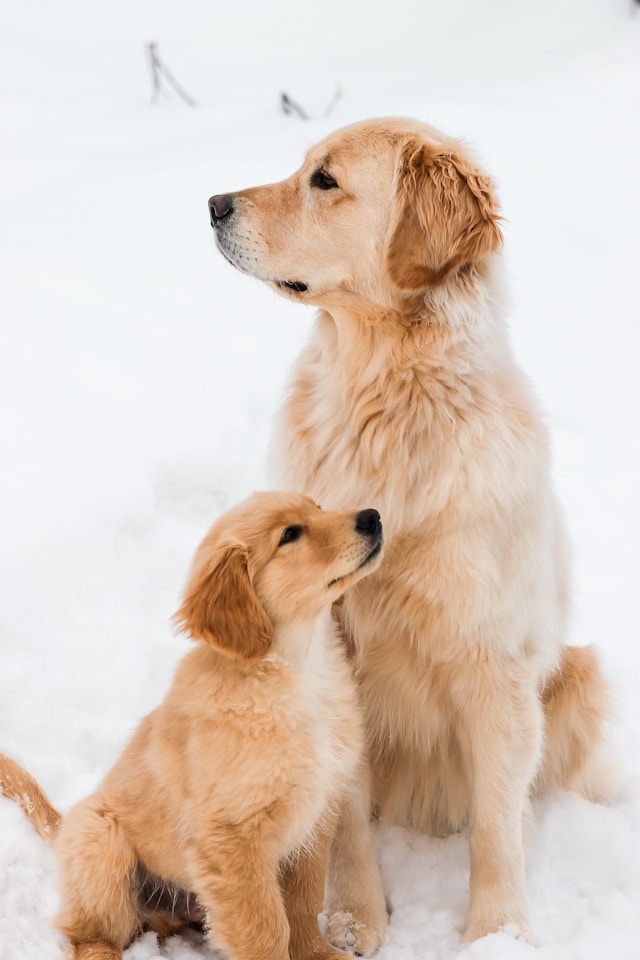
[
  {"x": 446, "y": 442},
  {"x": 405, "y": 421},
  {"x": 325, "y": 717}
]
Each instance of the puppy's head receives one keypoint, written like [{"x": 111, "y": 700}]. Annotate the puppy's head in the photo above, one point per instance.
[
  {"x": 274, "y": 560},
  {"x": 382, "y": 209}
]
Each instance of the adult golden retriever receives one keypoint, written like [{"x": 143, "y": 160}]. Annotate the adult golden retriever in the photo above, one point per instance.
[
  {"x": 221, "y": 809},
  {"x": 408, "y": 394}
]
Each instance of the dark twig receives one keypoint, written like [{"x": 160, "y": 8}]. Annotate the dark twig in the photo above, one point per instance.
[
  {"x": 158, "y": 70},
  {"x": 290, "y": 106}
]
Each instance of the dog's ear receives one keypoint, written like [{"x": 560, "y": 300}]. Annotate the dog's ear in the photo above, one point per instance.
[
  {"x": 445, "y": 216},
  {"x": 221, "y": 607}
]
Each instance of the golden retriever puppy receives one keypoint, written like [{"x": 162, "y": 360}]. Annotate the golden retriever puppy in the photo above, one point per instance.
[
  {"x": 222, "y": 807},
  {"x": 408, "y": 394}
]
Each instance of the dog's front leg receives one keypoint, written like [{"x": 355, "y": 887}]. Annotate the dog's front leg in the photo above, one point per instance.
[
  {"x": 303, "y": 883},
  {"x": 237, "y": 883},
  {"x": 502, "y": 735},
  {"x": 355, "y": 908}
]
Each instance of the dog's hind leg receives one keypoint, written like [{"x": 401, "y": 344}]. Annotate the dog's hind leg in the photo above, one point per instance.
[{"x": 97, "y": 876}]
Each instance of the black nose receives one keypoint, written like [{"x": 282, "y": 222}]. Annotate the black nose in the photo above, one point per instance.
[
  {"x": 368, "y": 522},
  {"x": 220, "y": 207}
]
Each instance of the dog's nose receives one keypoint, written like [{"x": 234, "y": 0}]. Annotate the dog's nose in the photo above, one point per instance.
[
  {"x": 220, "y": 207},
  {"x": 369, "y": 522}
]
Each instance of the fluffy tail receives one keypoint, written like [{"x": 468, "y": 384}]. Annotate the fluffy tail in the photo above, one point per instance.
[
  {"x": 577, "y": 705},
  {"x": 20, "y": 786}
]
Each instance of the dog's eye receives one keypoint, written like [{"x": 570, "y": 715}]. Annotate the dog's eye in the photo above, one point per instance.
[
  {"x": 323, "y": 181},
  {"x": 290, "y": 534}
]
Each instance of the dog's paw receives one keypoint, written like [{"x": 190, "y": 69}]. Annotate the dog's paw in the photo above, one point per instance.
[
  {"x": 484, "y": 926},
  {"x": 358, "y": 937}
]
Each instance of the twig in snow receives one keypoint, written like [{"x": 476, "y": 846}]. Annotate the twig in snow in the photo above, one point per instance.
[
  {"x": 290, "y": 106},
  {"x": 158, "y": 70}
]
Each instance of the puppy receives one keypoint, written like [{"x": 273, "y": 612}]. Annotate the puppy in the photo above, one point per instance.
[
  {"x": 408, "y": 393},
  {"x": 222, "y": 807}
]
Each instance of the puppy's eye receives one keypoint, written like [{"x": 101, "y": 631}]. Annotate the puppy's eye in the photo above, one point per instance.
[
  {"x": 323, "y": 181},
  {"x": 290, "y": 534}
]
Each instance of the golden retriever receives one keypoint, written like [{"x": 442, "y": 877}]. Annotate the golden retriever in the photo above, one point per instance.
[
  {"x": 408, "y": 394},
  {"x": 222, "y": 807}
]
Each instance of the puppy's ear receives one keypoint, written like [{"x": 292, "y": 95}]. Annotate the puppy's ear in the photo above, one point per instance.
[
  {"x": 221, "y": 607},
  {"x": 445, "y": 216}
]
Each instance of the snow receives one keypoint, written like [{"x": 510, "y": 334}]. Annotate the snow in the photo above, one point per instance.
[{"x": 139, "y": 374}]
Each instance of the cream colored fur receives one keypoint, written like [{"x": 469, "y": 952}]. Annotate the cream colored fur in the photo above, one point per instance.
[{"x": 408, "y": 395}]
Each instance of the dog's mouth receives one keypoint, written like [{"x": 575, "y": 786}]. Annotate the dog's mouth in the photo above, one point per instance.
[
  {"x": 297, "y": 286},
  {"x": 231, "y": 256},
  {"x": 285, "y": 286},
  {"x": 370, "y": 557}
]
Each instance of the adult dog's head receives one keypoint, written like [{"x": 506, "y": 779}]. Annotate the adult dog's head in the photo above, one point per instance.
[
  {"x": 383, "y": 209},
  {"x": 272, "y": 562}
]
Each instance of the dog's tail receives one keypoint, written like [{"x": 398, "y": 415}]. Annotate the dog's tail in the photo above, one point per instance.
[
  {"x": 20, "y": 786},
  {"x": 577, "y": 705}
]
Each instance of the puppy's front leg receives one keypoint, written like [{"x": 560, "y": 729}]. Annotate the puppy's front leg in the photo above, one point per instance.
[
  {"x": 356, "y": 909},
  {"x": 502, "y": 725},
  {"x": 303, "y": 880},
  {"x": 237, "y": 883}
]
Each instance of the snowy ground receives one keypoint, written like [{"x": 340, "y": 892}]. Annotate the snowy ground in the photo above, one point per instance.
[{"x": 139, "y": 374}]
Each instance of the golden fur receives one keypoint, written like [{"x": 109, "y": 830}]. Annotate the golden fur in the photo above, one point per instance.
[
  {"x": 222, "y": 807},
  {"x": 408, "y": 394}
]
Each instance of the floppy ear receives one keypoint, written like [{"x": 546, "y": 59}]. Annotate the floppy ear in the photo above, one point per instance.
[
  {"x": 221, "y": 607},
  {"x": 445, "y": 216}
]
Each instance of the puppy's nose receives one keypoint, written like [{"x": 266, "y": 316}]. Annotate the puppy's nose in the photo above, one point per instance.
[
  {"x": 368, "y": 522},
  {"x": 220, "y": 207}
]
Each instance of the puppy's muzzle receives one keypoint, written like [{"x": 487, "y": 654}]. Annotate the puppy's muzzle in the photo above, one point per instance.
[{"x": 220, "y": 208}]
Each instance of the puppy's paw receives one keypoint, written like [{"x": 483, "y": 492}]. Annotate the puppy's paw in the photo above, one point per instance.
[{"x": 357, "y": 936}]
